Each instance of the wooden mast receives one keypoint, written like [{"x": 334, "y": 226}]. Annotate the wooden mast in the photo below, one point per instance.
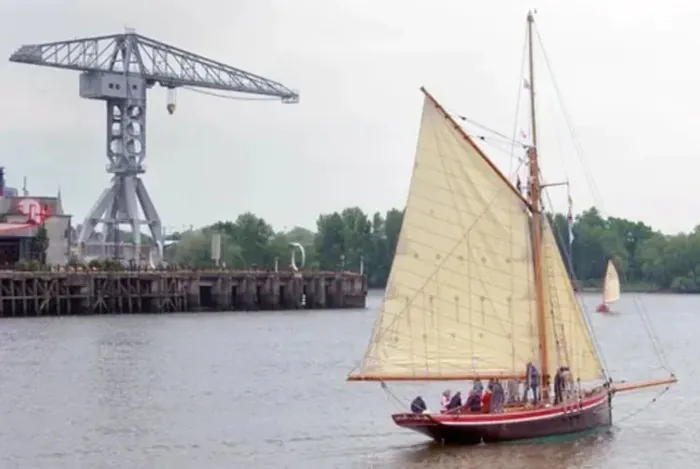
[
  {"x": 538, "y": 261},
  {"x": 537, "y": 223}
]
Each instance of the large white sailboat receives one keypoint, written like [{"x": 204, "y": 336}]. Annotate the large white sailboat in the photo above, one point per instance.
[{"x": 479, "y": 288}]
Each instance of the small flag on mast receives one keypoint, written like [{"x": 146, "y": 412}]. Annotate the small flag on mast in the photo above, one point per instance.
[
  {"x": 526, "y": 84},
  {"x": 570, "y": 219}
]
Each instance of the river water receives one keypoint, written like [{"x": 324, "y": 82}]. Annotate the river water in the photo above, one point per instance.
[{"x": 267, "y": 390}]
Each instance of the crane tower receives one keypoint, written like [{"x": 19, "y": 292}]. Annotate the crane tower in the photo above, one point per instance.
[{"x": 119, "y": 69}]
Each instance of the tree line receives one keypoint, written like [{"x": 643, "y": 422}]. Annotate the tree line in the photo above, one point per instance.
[{"x": 646, "y": 259}]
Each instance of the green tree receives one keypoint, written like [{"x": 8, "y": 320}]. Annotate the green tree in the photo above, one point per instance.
[
  {"x": 645, "y": 259},
  {"x": 38, "y": 245}
]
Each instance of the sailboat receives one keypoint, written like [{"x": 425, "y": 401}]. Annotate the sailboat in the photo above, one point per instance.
[
  {"x": 478, "y": 288},
  {"x": 611, "y": 288}
]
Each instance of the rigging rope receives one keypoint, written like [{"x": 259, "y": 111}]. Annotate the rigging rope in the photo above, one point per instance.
[
  {"x": 391, "y": 395},
  {"x": 569, "y": 123},
  {"x": 656, "y": 343},
  {"x": 228, "y": 96},
  {"x": 645, "y": 406},
  {"x": 517, "y": 101},
  {"x": 513, "y": 140},
  {"x": 598, "y": 202},
  {"x": 505, "y": 138},
  {"x": 579, "y": 299},
  {"x": 501, "y": 142},
  {"x": 497, "y": 145}
]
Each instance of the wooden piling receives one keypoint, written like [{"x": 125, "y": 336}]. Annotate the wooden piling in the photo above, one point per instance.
[{"x": 43, "y": 293}]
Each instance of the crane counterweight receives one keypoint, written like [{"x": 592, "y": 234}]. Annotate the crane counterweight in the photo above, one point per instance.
[{"x": 119, "y": 69}]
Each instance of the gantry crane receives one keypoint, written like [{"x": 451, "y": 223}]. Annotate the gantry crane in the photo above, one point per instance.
[{"x": 119, "y": 69}]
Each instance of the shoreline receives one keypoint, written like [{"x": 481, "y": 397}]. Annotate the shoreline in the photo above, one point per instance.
[
  {"x": 632, "y": 289},
  {"x": 625, "y": 289}
]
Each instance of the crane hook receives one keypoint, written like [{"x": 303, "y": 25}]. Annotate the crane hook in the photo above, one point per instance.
[{"x": 171, "y": 101}]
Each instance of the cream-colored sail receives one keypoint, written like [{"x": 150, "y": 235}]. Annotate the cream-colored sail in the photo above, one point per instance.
[
  {"x": 611, "y": 284},
  {"x": 460, "y": 297},
  {"x": 570, "y": 340}
]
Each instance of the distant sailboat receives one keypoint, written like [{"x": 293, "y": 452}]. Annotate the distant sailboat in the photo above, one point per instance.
[
  {"x": 478, "y": 289},
  {"x": 611, "y": 288}
]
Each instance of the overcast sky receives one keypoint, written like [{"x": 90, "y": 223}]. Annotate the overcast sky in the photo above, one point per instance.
[{"x": 626, "y": 72}]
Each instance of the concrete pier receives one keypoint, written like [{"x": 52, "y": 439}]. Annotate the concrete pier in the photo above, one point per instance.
[{"x": 40, "y": 293}]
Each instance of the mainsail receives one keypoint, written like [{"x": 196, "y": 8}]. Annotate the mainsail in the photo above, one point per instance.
[
  {"x": 460, "y": 299},
  {"x": 611, "y": 284}
]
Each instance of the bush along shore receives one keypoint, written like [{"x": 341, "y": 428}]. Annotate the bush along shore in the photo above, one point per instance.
[{"x": 647, "y": 260}]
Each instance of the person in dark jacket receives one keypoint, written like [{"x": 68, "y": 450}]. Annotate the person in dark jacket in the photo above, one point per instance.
[
  {"x": 559, "y": 386},
  {"x": 474, "y": 402},
  {"x": 455, "y": 403},
  {"x": 418, "y": 405},
  {"x": 532, "y": 381}
]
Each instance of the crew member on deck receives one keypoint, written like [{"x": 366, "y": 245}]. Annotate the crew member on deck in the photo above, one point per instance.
[
  {"x": 532, "y": 381},
  {"x": 445, "y": 400},
  {"x": 486, "y": 400},
  {"x": 559, "y": 385},
  {"x": 455, "y": 404},
  {"x": 418, "y": 405},
  {"x": 478, "y": 387},
  {"x": 498, "y": 398},
  {"x": 513, "y": 390},
  {"x": 474, "y": 401},
  {"x": 568, "y": 383}
]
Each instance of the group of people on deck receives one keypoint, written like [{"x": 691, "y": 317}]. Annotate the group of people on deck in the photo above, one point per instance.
[
  {"x": 563, "y": 385},
  {"x": 494, "y": 397},
  {"x": 489, "y": 400}
]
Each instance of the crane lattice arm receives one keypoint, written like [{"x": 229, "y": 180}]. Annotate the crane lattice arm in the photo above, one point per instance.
[
  {"x": 119, "y": 69},
  {"x": 152, "y": 60}
]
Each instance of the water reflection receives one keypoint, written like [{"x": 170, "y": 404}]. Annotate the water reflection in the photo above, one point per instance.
[
  {"x": 571, "y": 452},
  {"x": 124, "y": 378},
  {"x": 268, "y": 390}
]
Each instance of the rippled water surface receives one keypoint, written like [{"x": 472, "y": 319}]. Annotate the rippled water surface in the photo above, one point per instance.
[{"x": 268, "y": 390}]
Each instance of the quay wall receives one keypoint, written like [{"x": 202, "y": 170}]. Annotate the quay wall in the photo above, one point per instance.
[{"x": 43, "y": 293}]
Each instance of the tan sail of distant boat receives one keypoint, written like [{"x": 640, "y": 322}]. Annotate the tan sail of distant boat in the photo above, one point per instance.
[
  {"x": 478, "y": 288},
  {"x": 611, "y": 288}
]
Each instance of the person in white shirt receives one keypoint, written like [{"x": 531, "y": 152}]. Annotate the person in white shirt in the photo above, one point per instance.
[
  {"x": 513, "y": 390},
  {"x": 445, "y": 400}
]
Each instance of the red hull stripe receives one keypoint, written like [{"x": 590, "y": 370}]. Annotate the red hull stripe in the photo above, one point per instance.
[{"x": 509, "y": 417}]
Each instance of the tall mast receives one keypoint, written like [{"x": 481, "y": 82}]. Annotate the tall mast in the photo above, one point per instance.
[{"x": 535, "y": 200}]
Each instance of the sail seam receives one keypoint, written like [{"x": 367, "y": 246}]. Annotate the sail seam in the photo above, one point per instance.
[
  {"x": 480, "y": 277},
  {"x": 494, "y": 321},
  {"x": 447, "y": 238}
]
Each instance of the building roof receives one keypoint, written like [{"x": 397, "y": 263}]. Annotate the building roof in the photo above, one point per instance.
[{"x": 18, "y": 230}]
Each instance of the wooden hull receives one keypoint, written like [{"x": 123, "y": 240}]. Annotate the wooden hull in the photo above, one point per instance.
[{"x": 474, "y": 428}]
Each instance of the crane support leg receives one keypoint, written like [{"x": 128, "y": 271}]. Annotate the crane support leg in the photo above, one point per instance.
[{"x": 125, "y": 96}]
